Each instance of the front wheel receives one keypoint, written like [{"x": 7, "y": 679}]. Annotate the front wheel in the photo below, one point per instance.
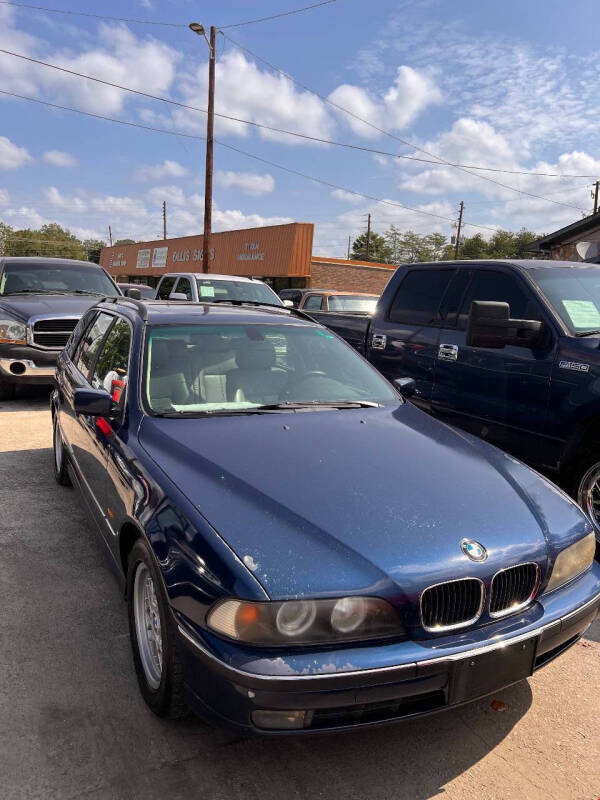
[
  {"x": 152, "y": 635},
  {"x": 586, "y": 488}
]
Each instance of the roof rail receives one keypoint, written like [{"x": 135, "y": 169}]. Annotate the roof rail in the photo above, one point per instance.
[{"x": 139, "y": 305}]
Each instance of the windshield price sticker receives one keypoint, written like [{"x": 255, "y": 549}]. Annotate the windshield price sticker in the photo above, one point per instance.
[
  {"x": 207, "y": 291},
  {"x": 583, "y": 313}
]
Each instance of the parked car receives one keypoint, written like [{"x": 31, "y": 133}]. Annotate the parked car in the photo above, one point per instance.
[
  {"x": 200, "y": 287},
  {"x": 295, "y": 295},
  {"x": 41, "y": 301},
  {"x": 302, "y": 550},
  {"x": 507, "y": 350},
  {"x": 146, "y": 292},
  {"x": 319, "y": 300}
]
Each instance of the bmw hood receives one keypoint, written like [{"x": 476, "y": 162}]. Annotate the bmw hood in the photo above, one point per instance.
[
  {"x": 24, "y": 306},
  {"x": 328, "y": 502}
]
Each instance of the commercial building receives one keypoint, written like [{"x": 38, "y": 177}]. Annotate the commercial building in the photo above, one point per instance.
[
  {"x": 281, "y": 255},
  {"x": 562, "y": 244}
]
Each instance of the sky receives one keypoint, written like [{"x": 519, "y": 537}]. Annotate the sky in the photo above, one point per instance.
[{"x": 512, "y": 86}]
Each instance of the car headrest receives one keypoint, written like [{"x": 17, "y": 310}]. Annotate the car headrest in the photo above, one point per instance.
[{"x": 255, "y": 355}]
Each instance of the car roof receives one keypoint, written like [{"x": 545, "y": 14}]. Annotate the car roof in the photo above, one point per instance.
[
  {"x": 520, "y": 263},
  {"x": 211, "y": 276},
  {"x": 173, "y": 312},
  {"x": 51, "y": 262},
  {"x": 339, "y": 291}
]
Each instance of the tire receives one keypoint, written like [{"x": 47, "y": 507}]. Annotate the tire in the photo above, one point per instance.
[
  {"x": 153, "y": 636},
  {"x": 585, "y": 487},
  {"x": 60, "y": 460},
  {"x": 7, "y": 390}
]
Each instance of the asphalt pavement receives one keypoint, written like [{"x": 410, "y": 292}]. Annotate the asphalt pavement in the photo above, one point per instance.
[{"x": 73, "y": 725}]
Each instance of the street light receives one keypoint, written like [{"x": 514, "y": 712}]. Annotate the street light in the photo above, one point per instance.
[{"x": 199, "y": 29}]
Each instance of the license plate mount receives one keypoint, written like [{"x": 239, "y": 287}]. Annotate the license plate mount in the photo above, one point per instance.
[{"x": 486, "y": 673}]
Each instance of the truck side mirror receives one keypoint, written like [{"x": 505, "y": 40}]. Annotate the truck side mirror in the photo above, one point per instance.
[
  {"x": 490, "y": 325},
  {"x": 135, "y": 294},
  {"x": 288, "y": 303},
  {"x": 406, "y": 386},
  {"x": 177, "y": 296}
]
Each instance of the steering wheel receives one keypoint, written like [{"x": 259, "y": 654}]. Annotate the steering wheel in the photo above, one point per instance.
[{"x": 313, "y": 373}]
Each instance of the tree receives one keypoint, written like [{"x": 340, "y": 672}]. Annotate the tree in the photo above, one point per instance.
[
  {"x": 93, "y": 248},
  {"x": 474, "y": 247},
  {"x": 379, "y": 250},
  {"x": 411, "y": 247},
  {"x": 123, "y": 241},
  {"x": 5, "y": 233}
]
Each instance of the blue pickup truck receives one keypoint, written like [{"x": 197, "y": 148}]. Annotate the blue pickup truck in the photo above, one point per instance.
[{"x": 507, "y": 350}]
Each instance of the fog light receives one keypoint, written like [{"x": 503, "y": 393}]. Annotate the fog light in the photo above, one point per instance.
[{"x": 282, "y": 720}]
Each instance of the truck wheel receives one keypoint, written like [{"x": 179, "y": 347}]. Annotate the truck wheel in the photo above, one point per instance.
[
  {"x": 7, "y": 390},
  {"x": 61, "y": 470},
  {"x": 586, "y": 488},
  {"x": 153, "y": 636}
]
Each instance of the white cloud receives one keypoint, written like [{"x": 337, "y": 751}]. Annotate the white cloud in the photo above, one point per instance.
[
  {"x": 168, "y": 169},
  {"x": 410, "y": 94},
  {"x": 247, "y": 92},
  {"x": 119, "y": 208},
  {"x": 4, "y": 197},
  {"x": 11, "y": 155},
  {"x": 55, "y": 198},
  {"x": 58, "y": 158},
  {"x": 248, "y": 182},
  {"x": 174, "y": 195},
  {"x": 347, "y": 197}
]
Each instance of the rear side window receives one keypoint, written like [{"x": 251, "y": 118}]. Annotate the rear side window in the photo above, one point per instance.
[
  {"x": 502, "y": 288},
  {"x": 90, "y": 343},
  {"x": 314, "y": 302},
  {"x": 81, "y": 326},
  {"x": 418, "y": 299},
  {"x": 165, "y": 288},
  {"x": 185, "y": 287},
  {"x": 113, "y": 361}
]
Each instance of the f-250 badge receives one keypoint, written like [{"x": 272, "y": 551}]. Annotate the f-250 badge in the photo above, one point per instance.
[{"x": 574, "y": 365}]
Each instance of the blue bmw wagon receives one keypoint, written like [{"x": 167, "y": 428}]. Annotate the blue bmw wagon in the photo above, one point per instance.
[{"x": 301, "y": 548}]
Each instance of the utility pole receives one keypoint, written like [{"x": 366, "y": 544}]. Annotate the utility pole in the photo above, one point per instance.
[
  {"x": 457, "y": 243},
  {"x": 349, "y": 248},
  {"x": 110, "y": 235},
  {"x": 368, "y": 235},
  {"x": 596, "y": 193},
  {"x": 210, "y": 125},
  {"x": 164, "y": 219}
]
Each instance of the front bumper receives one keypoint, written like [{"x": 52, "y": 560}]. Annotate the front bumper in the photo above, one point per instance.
[
  {"x": 342, "y": 692},
  {"x": 27, "y": 365}
]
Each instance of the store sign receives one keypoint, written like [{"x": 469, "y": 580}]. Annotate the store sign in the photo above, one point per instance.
[
  {"x": 118, "y": 260},
  {"x": 159, "y": 256},
  {"x": 251, "y": 253},
  {"x": 180, "y": 256},
  {"x": 143, "y": 259}
]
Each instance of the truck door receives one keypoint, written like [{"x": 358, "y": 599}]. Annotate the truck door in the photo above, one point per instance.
[
  {"x": 498, "y": 394},
  {"x": 404, "y": 342}
]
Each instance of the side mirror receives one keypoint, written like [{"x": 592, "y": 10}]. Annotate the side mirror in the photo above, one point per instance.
[
  {"x": 490, "y": 325},
  {"x": 93, "y": 402},
  {"x": 135, "y": 294},
  {"x": 177, "y": 296},
  {"x": 287, "y": 303},
  {"x": 406, "y": 386}
]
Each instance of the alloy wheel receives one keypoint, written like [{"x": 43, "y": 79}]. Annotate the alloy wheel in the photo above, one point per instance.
[
  {"x": 148, "y": 626},
  {"x": 588, "y": 495}
]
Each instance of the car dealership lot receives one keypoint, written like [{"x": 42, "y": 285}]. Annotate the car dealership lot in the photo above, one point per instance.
[{"x": 74, "y": 725}]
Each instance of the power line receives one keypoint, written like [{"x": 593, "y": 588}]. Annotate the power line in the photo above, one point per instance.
[
  {"x": 277, "y": 16},
  {"x": 238, "y": 150},
  {"x": 441, "y": 161},
  {"x": 72, "y": 13},
  {"x": 296, "y": 134}
]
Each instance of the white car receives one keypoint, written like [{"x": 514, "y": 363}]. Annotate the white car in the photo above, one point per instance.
[{"x": 202, "y": 287}]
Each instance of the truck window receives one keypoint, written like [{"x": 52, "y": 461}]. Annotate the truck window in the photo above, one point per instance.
[
  {"x": 314, "y": 302},
  {"x": 185, "y": 287},
  {"x": 492, "y": 285},
  {"x": 418, "y": 299},
  {"x": 165, "y": 288}
]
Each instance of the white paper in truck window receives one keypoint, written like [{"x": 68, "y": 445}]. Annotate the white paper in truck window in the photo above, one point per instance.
[
  {"x": 583, "y": 313},
  {"x": 207, "y": 291}
]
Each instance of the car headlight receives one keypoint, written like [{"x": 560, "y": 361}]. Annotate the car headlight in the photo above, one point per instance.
[
  {"x": 295, "y": 622},
  {"x": 12, "y": 332},
  {"x": 572, "y": 561}
]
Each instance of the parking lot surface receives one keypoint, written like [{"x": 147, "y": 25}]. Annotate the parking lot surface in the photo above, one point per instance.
[{"x": 73, "y": 725}]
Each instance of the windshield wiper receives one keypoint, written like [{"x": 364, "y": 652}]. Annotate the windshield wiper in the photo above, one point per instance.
[
  {"x": 292, "y": 406},
  {"x": 36, "y": 291},
  {"x": 244, "y": 302},
  {"x": 588, "y": 333},
  {"x": 269, "y": 408}
]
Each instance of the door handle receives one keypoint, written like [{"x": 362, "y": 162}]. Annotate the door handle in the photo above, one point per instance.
[
  {"x": 448, "y": 352},
  {"x": 378, "y": 341}
]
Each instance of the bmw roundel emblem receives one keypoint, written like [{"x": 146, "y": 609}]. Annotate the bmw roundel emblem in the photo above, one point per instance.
[{"x": 473, "y": 550}]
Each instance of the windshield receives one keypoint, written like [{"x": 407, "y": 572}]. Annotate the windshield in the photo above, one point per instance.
[
  {"x": 352, "y": 302},
  {"x": 254, "y": 291},
  {"x": 575, "y": 294},
  {"x": 55, "y": 279},
  {"x": 231, "y": 368}
]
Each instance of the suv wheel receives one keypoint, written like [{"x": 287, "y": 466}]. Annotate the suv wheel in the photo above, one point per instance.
[
  {"x": 153, "y": 636},
  {"x": 7, "y": 390},
  {"x": 61, "y": 470}
]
